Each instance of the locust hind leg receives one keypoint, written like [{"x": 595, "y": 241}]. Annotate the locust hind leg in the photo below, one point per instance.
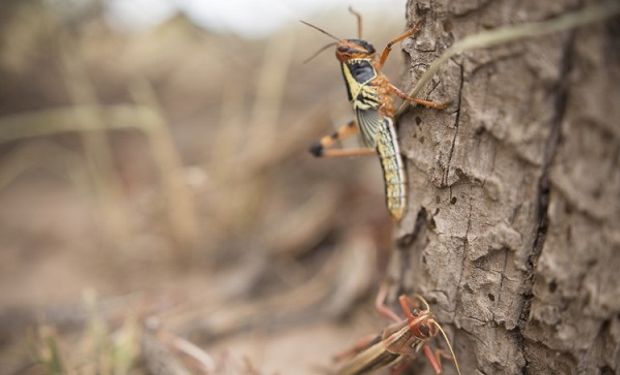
[
  {"x": 422, "y": 102},
  {"x": 322, "y": 148}
]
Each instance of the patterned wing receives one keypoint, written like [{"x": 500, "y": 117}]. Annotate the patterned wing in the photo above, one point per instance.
[{"x": 370, "y": 123}]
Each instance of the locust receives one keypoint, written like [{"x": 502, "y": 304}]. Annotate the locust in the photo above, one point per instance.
[
  {"x": 372, "y": 98},
  {"x": 397, "y": 344}
]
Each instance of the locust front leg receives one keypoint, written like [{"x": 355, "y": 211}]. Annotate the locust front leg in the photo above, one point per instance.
[
  {"x": 412, "y": 311},
  {"x": 388, "y": 47},
  {"x": 322, "y": 148}
]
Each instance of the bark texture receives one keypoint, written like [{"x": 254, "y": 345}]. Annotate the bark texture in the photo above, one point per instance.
[{"x": 512, "y": 228}]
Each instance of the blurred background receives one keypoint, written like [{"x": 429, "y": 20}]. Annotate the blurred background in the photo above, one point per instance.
[{"x": 159, "y": 212}]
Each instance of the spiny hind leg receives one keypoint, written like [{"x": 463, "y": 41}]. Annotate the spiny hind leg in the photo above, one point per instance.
[
  {"x": 403, "y": 36},
  {"x": 322, "y": 148},
  {"x": 422, "y": 102}
]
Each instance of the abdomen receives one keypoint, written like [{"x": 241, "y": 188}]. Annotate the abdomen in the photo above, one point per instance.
[{"x": 393, "y": 169}]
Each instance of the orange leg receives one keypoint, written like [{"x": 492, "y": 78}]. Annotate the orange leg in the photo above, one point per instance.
[
  {"x": 408, "y": 305},
  {"x": 337, "y": 153},
  {"x": 388, "y": 48},
  {"x": 320, "y": 149},
  {"x": 381, "y": 307},
  {"x": 433, "y": 358},
  {"x": 425, "y": 103}
]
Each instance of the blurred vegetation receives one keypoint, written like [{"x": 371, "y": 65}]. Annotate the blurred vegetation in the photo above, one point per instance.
[{"x": 167, "y": 171}]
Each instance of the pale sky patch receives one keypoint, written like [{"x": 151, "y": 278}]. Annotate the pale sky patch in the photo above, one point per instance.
[{"x": 253, "y": 19}]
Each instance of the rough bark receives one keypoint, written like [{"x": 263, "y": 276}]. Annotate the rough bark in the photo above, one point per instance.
[{"x": 512, "y": 226}]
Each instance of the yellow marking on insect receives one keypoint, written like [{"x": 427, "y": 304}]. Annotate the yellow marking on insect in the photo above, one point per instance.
[{"x": 393, "y": 170}]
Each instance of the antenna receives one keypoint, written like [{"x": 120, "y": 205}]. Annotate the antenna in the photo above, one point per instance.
[
  {"x": 319, "y": 51},
  {"x": 456, "y": 363},
  {"x": 319, "y": 29},
  {"x": 359, "y": 21}
]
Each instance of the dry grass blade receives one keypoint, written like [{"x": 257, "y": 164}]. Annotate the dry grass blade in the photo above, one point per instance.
[
  {"x": 99, "y": 159},
  {"x": 180, "y": 203},
  {"x": 329, "y": 293},
  {"x": 67, "y": 119},
  {"x": 144, "y": 118},
  {"x": 205, "y": 361},
  {"x": 355, "y": 274},
  {"x": 159, "y": 360},
  {"x": 270, "y": 85},
  {"x": 49, "y": 355},
  {"x": 51, "y": 156},
  {"x": 304, "y": 225}
]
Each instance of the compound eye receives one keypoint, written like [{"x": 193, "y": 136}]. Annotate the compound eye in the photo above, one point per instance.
[{"x": 424, "y": 330}]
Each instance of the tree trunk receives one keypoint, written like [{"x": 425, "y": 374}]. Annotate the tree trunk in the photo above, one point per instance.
[{"x": 512, "y": 227}]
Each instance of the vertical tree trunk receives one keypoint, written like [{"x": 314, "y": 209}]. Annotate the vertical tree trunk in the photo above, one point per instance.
[{"x": 512, "y": 229}]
